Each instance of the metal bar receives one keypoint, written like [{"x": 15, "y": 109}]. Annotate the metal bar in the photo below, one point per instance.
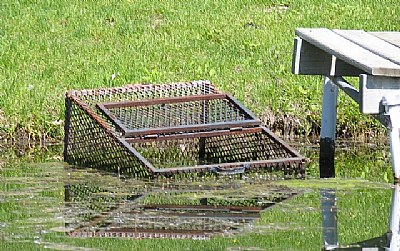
[
  {"x": 329, "y": 219},
  {"x": 147, "y": 233},
  {"x": 160, "y": 101},
  {"x": 193, "y": 213},
  {"x": 346, "y": 87},
  {"x": 67, "y": 124},
  {"x": 281, "y": 142},
  {"x": 175, "y": 129},
  {"x": 241, "y": 107},
  {"x": 112, "y": 117},
  {"x": 383, "y": 119},
  {"x": 153, "y": 231},
  {"x": 328, "y": 130},
  {"x": 92, "y": 114},
  {"x": 212, "y": 208},
  {"x": 142, "y": 88},
  {"x": 148, "y": 165},
  {"x": 229, "y": 165},
  {"x": 194, "y": 135},
  {"x": 355, "y": 95}
]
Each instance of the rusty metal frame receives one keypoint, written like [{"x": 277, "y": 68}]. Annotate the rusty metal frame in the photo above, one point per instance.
[
  {"x": 222, "y": 168},
  {"x": 105, "y": 109}
]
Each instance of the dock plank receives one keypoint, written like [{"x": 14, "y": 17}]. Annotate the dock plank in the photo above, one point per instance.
[
  {"x": 349, "y": 52},
  {"x": 392, "y": 37},
  {"x": 372, "y": 43}
]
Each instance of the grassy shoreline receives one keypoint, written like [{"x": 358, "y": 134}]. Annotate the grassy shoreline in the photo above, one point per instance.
[{"x": 243, "y": 47}]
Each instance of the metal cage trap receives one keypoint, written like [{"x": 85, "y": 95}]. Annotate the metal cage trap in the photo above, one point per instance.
[{"x": 149, "y": 130}]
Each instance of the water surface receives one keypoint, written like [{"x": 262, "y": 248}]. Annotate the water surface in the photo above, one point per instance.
[{"x": 46, "y": 204}]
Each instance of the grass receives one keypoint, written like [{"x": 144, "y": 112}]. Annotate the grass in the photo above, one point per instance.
[{"x": 244, "y": 47}]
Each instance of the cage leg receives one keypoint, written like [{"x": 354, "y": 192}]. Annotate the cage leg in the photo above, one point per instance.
[
  {"x": 204, "y": 120},
  {"x": 202, "y": 150},
  {"x": 288, "y": 171},
  {"x": 67, "y": 125},
  {"x": 328, "y": 130},
  {"x": 300, "y": 171}
]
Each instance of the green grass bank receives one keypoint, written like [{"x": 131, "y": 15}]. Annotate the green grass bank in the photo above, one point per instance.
[{"x": 243, "y": 47}]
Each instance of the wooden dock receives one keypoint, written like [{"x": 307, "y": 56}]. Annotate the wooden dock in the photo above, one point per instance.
[{"x": 373, "y": 57}]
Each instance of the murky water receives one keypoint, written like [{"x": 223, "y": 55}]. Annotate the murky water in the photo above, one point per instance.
[{"x": 46, "y": 204}]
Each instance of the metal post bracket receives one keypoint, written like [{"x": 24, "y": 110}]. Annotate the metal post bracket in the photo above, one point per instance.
[{"x": 373, "y": 89}]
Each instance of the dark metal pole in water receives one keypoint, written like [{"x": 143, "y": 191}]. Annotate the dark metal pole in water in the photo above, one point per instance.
[
  {"x": 329, "y": 219},
  {"x": 328, "y": 130}
]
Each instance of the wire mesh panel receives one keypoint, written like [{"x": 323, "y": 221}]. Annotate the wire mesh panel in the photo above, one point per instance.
[
  {"x": 178, "y": 114},
  {"x": 147, "y": 130},
  {"x": 221, "y": 151}
]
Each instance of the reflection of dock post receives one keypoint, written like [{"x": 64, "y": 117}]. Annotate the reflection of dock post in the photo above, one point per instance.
[
  {"x": 394, "y": 224},
  {"x": 329, "y": 219},
  {"x": 328, "y": 129},
  {"x": 392, "y": 108}
]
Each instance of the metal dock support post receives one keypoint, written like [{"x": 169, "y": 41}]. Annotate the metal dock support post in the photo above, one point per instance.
[
  {"x": 328, "y": 129},
  {"x": 392, "y": 109}
]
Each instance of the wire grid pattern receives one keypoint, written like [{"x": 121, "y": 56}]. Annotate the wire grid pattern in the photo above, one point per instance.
[
  {"x": 87, "y": 202},
  {"x": 141, "y": 92},
  {"x": 171, "y": 213},
  {"x": 156, "y": 219},
  {"x": 179, "y": 114},
  {"x": 90, "y": 145},
  {"x": 245, "y": 147},
  {"x": 130, "y": 221}
]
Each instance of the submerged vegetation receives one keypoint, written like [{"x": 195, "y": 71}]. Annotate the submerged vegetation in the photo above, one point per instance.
[{"x": 243, "y": 47}]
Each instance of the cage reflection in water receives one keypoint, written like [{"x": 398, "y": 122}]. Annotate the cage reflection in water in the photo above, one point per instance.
[
  {"x": 168, "y": 213},
  {"x": 168, "y": 129}
]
